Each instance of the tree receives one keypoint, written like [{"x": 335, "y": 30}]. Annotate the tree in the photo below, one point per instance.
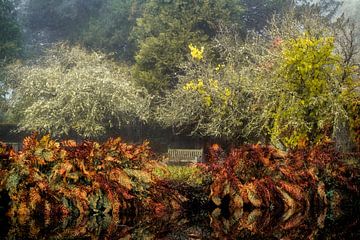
[
  {"x": 215, "y": 100},
  {"x": 10, "y": 46},
  {"x": 310, "y": 102},
  {"x": 308, "y": 81},
  {"x": 71, "y": 90},
  {"x": 165, "y": 30},
  {"x": 258, "y": 12},
  {"x": 289, "y": 85},
  {"x": 110, "y": 29},
  {"x": 10, "y": 37},
  {"x": 59, "y": 19}
]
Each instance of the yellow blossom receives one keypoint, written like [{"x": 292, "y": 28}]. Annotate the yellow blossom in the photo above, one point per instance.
[
  {"x": 219, "y": 67},
  {"x": 227, "y": 92},
  {"x": 207, "y": 100},
  {"x": 196, "y": 53},
  {"x": 189, "y": 86},
  {"x": 214, "y": 83}
]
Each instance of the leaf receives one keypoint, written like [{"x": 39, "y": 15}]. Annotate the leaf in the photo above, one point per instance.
[
  {"x": 216, "y": 200},
  {"x": 82, "y": 167},
  {"x": 69, "y": 143},
  {"x": 226, "y": 188},
  {"x": 34, "y": 197},
  {"x": 44, "y": 141},
  {"x": 121, "y": 177},
  {"x": 322, "y": 193},
  {"x": 252, "y": 195},
  {"x": 236, "y": 201},
  {"x": 47, "y": 155},
  {"x": 140, "y": 175},
  {"x": 254, "y": 217},
  {"x": 290, "y": 204},
  {"x": 23, "y": 209},
  {"x": 216, "y": 187},
  {"x": 294, "y": 222},
  {"x": 293, "y": 190}
]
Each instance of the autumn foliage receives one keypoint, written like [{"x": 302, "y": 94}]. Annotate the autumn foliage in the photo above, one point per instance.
[
  {"x": 254, "y": 189},
  {"x": 262, "y": 177},
  {"x": 66, "y": 179},
  {"x": 267, "y": 192}
]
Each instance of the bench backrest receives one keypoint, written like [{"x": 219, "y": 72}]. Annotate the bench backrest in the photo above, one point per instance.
[{"x": 185, "y": 155}]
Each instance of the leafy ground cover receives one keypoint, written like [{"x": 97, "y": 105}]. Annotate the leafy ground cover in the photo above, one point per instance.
[
  {"x": 255, "y": 186},
  {"x": 294, "y": 184},
  {"x": 60, "y": 179}
]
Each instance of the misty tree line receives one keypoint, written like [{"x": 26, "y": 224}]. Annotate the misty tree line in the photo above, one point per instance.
[{"x": 278, "y": 71}]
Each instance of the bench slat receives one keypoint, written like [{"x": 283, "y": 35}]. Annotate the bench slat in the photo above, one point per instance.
[{"x": 185, "y": 155}]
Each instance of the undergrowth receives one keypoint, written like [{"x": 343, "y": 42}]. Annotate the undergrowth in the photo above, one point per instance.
[{"x": 61, "y": 180}]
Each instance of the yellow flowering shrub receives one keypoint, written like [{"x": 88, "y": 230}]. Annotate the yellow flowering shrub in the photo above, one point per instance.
[
  {"x": 309, "y": 76},
  {"x": 209, "y": 91},
  {"x": 200, "y": 88},
  {"x": 196, "y": 53}
]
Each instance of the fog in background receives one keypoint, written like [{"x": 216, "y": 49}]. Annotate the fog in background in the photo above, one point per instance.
[{"x": 351, "y": 8}]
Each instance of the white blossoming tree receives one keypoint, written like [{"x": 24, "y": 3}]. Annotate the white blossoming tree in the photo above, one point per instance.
[{"x": 72, "y": 90}]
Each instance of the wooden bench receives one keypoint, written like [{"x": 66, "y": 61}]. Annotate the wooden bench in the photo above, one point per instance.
[{"x": 185, "y": 155}]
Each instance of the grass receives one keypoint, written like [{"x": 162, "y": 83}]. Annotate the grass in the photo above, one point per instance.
[{"x": 190, "y": 174}]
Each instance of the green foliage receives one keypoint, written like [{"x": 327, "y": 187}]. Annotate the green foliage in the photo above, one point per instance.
[
  {"x": 165, "y": 30},
  {"x": 289, "y": 85},
  {"x": 208, "y": 101},
  {"x": 310, "y": 78},
  {"x": 258, "y": 12},
  {"x": 219, "y": 99},
  {"x": 10, "y": 47},
  {"x": 110, "y": 29},
  {"x": 70, "y": 89},
  {"x": 10, "y": 37},
  {"x": 327, "y": 8},
  {"x": 61, "y": 19},
  {"x": 107, "y": 25},
  {"x": 354, "y": 114},
  {"x": 191, "y": 175}
]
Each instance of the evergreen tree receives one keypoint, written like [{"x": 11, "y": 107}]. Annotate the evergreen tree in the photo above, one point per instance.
[
  {"x": 10, "y": 46},
  {"x": 60, "y": 19},
  {"x": 166, "y": 29},
  {"x": 109, "y": 30},
  {"x": 10, "y": 37}
]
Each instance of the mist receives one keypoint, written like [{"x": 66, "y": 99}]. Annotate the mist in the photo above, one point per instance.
[{"x": 351, "y": 9}]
